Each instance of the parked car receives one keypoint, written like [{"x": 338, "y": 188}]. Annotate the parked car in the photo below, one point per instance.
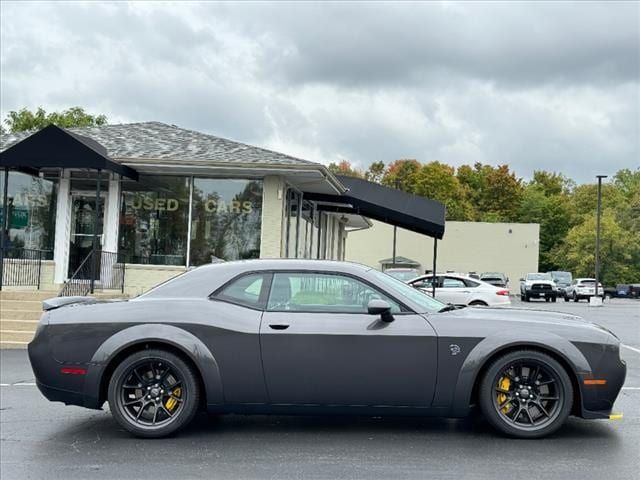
[
  {"x": 319, "y": 337},
  {"x": 582, "y": 288},
  {"x": 462, "y": 290},
  {"x": 496, "y": 279},
  {"x": 403, "y": 274},
  {"x": 538, "y": 285},
  {"x": 623, "y": 290},
  {"x": 562, "y": 281}
]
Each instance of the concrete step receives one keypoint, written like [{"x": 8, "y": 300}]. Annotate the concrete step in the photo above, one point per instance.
[
  {"x": 15, "y": 337},
  {"x": 19, "y": 325},
  {"x": 21, "y": 314},
  {"x": 40, "y": 295},
  {"x": 31, "y": 295},
  {"x": 13, "y": 345}
]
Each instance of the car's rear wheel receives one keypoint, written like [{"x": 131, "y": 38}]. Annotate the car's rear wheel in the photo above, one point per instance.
[
  {"x": 153, "y": 393},
  {"x": 526, "y": 394},
  {"x": 478, "y": 303}
]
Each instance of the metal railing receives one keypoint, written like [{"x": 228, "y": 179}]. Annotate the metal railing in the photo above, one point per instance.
[
  {"x": 21, "y": 267},
  {"x": 99, "y": 270}
]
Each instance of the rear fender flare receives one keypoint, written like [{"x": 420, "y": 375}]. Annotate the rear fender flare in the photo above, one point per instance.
[
  {"x": 488, "y": 347},
  {"x": 184, "y": 341}
]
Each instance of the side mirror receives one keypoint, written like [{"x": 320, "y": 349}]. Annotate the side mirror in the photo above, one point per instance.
[
  {"x": 382, "y": 308},
  {"x": 522, "y": 279}
]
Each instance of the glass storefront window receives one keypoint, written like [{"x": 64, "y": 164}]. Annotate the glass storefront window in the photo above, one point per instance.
[
  {"x": 154, "y": 220},
  {"x": 31, "y": 212},
  {"x": 226, "y": 220}
]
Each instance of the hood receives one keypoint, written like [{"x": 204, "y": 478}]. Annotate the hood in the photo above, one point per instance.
[{"x": 521, "y": 316}]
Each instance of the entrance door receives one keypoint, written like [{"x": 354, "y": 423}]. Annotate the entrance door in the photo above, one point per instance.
[{"x": 83, "y": 215}]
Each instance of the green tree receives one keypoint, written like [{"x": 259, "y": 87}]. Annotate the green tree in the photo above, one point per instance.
[
  {"x": 345, "y": 168},
  {"x": 553, "y": 215},
  {"x": 618, "y": 249},
  {"x": 401, "y": 174},
  {"x": 495, "y": 192},
  {"x": 22, "y": 120},
  {"x": 375, "y": 172},
  {"x": 437, "y": 181}
]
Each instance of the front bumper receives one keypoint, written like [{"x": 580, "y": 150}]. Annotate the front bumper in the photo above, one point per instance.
[
  {"x": 542, "y": 293},
  {"x": 598, "y": 400}
]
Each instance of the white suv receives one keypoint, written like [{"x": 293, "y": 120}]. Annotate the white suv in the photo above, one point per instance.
[
  {"x": 462, "y": 290},
  {"x": 582, "y": 288}
]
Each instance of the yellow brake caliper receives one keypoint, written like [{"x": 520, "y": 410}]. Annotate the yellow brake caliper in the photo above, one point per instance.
[
  {"x": 504, "y": 384},
  {"x": 172, "y": 402}
]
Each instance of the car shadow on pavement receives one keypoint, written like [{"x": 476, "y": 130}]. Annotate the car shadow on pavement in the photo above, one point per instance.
[{"x": 273, "y": 427}]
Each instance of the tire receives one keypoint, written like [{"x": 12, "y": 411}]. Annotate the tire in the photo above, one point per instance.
[
  {"x": 138, "y": 371},
  {"x": 478, "y": 303},
  {"x": 522, "y": 297},
  {"x": 547, "y": 299},
  {"x": 554, "y": 299},
  {"x": 575, "y": 297},
  {"x": 527, "y": 298},
  {"x": 556, "y": 411},
  {"x": 566, "y": 299}
]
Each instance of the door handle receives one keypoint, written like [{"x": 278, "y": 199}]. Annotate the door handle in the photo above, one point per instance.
[
  {"x": 465, "y": 291},
  {"x": 278, "y": 326}
]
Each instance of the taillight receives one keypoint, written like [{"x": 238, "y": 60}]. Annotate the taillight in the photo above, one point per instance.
[
  {"x": 73, "y": 371},
  {"x": 504, "y": 293}
]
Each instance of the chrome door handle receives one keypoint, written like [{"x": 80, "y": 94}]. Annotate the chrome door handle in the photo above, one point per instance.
[{"x": 279, "y": 326}]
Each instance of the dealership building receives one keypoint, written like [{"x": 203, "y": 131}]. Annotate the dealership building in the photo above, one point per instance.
[{"x": 128, "y": 206}]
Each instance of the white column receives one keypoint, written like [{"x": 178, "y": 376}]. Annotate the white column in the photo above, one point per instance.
[
  {"x": 112, "y": 217},
  {"x": 63, "y": 223},
  {"x": 273, "y": 203}
]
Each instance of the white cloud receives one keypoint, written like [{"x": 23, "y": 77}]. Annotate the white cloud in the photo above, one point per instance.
[{"x": 552, "y": 86}]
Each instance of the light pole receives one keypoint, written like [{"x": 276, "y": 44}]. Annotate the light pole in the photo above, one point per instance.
[{"x": 599, "y": 177}]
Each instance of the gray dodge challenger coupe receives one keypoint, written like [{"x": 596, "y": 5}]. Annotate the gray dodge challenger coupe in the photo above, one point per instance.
[{"x": 319, "y": 337}]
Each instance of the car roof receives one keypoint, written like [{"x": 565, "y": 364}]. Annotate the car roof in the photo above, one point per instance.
[{"x": 203, "y": 280}]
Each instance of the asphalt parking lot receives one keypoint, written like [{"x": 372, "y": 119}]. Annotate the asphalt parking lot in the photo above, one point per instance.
[{"x": 39, "y": 439}]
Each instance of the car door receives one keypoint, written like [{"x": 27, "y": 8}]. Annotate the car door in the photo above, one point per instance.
[
  {"x": 453, "y": 290},
  {"x": 321, "y": 347}
]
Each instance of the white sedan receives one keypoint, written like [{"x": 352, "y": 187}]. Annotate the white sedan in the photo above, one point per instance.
[{"x": 462, "y": 290}]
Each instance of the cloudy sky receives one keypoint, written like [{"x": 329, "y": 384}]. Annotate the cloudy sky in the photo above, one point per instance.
[{"x": 536, "y": 85}]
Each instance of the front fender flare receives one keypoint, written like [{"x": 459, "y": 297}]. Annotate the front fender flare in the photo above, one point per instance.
[
  {"x": 186, "y": 342},
  {"x": 477, "y": 358}
]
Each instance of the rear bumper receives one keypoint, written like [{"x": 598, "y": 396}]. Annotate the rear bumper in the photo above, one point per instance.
[
  {"x": 59, "y": 395},
  {"x": 52, "y": 383}
]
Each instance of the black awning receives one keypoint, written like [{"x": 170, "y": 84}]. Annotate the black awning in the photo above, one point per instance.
[
  {"x": 55, "y": 147},
  {"x": 388, "y": 205}
]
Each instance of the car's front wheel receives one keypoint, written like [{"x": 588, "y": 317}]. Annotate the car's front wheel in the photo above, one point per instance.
[
  {"x": 526, "y": 394},
  {"x": 153, "y": 393}
]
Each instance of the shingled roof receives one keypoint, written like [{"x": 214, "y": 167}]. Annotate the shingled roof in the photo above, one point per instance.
[{"x": 156, "y": 140}]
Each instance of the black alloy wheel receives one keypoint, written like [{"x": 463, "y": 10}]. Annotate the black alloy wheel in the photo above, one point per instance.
[
  {"x": 526, "y": 394},
  {"x": 153, "y": 393}
]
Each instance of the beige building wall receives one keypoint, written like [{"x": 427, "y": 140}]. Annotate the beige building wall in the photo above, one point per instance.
[{"x": 511, "y": 248}]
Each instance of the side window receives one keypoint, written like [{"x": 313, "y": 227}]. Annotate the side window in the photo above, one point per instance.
[
  {"x": 317, "y": 292},
  {"x": 247, "y": 290},
  {"x": 450, "y": 282},
  {"x": 470, "y": 283},
  {"x": 424, "y": 283}
]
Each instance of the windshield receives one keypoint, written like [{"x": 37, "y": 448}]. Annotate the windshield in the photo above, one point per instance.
[
  {"x": 562, "y": 276},
  {"x": 404, "y": 275},
  {"x": 539, "y": 276},
  {"x": 427, "y": 303},
  {"x": 491, "y": 279}
]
